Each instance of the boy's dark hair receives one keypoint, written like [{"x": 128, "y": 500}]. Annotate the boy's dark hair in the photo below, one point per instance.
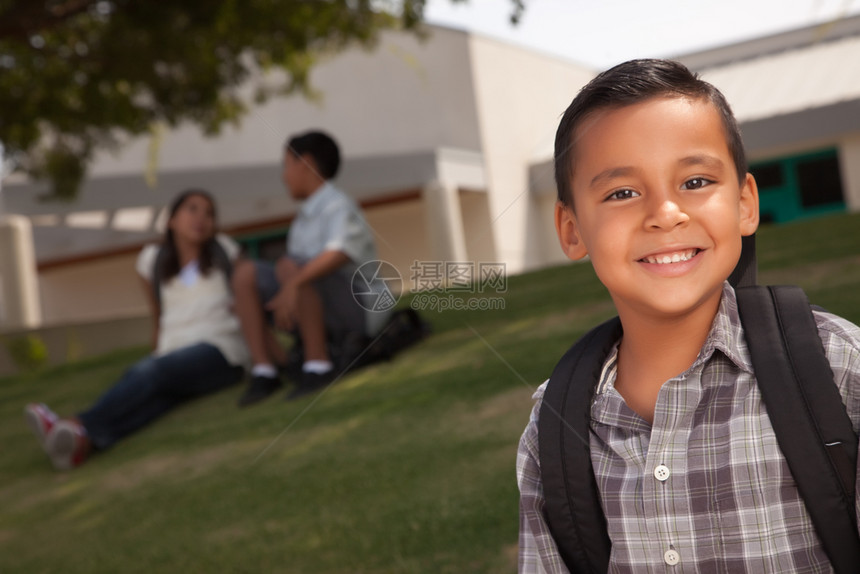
[
  {"x": 321, "y": 147},
  {"x": 631, "y": 83}
]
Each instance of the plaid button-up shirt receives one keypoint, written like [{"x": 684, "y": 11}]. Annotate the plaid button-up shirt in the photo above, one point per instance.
[{"x": 705, "y": 488}]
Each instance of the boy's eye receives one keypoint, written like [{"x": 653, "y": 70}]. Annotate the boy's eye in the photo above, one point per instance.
[
  {"x": 622, "y": 194},
  {"x": 696, "y": 183}
]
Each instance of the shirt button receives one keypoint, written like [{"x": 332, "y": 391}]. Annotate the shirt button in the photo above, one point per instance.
[
  {"x": 671, "y": 557},
  {"x": 661, "y": 473}
]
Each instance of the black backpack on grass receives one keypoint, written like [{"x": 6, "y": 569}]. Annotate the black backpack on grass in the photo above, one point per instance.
[
  {"x": 350, "y": 351},
  {"x": 810, "y": 421}
]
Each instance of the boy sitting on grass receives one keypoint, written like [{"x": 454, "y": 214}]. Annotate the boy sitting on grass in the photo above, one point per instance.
[
  {"x": 653, "y": 187},
  {"x": 309, "y": 291}
]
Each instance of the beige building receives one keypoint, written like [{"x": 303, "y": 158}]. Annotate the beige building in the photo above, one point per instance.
[
  {"x": 797, "y": 98},
  {"x": 447, "y": 144}
]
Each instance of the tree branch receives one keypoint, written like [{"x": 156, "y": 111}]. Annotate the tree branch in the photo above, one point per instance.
[{"x": 27, "y": 17}]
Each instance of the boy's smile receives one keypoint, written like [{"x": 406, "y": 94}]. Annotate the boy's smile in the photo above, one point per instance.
[
  {"x": 658, "y": 206},
  {"x": 671, "y": 263}
]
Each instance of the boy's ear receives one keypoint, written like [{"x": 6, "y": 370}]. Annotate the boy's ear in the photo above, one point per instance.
[
  {"x": 312, "y": 170},
  {"x": 567, "y": 229},
  {"x": 749, "y": 206}
]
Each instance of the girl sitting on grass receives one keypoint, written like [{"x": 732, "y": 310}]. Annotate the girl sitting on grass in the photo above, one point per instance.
[{"x": 198, "y": 343}]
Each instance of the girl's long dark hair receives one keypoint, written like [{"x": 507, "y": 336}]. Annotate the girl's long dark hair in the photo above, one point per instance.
[{"x": 170, "y": 261}]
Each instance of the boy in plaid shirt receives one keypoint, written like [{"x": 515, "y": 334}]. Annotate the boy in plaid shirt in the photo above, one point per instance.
[{"x": 653, "y": 187}]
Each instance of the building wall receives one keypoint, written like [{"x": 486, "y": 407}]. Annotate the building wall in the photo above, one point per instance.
[
  {"x": 405, "y": 95},
  {"x": 545, "y": 205},
  {"x": 400, "y": 230},
  {"x": 19, "y": 303},
  {"x": 791, "y": 80},
  {"x": 477, "y": 226},
  {"x": 849, "y": 163},
  {"x": 520, "y": 98},
  {"x": 101, "y": 289}
]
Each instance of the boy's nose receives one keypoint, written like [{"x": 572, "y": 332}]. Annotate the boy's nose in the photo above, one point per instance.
[{"x": 666, "y": 214}]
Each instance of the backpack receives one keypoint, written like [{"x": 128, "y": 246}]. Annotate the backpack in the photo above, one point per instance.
[
  {"x": 220, "y": 260},
  {"x": 350, "y": 351},
  {"x": 810, "y": 421}
]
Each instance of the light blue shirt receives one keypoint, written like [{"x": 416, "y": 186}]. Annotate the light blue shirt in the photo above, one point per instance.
[{"x": 329, "y": 220}]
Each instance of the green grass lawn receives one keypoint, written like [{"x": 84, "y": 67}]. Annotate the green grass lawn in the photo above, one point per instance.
[{"x": 400, "y": 468}]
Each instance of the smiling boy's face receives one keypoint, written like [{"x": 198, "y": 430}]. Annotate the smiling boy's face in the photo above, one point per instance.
[{"x": 658, "y": 206}]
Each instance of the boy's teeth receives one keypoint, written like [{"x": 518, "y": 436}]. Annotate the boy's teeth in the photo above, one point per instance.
[{"x": 673, "y": 258}]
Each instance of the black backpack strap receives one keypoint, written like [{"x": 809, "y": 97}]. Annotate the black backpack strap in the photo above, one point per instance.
[
  {"x": 744, "y": 273},
  {"x": 806, "y": 410},
  {"x": 572, "y": 503}
]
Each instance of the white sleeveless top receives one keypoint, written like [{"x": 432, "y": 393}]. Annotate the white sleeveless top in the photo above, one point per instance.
[{"x": 197, "y": 308}]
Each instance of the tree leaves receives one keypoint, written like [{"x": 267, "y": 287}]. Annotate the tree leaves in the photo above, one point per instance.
[{"x": 81, "y": 74}]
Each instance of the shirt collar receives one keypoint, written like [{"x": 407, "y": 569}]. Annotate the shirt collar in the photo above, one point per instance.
[
  {"x": 608, "y": 372},
  {"x": 727, "y": 334},
  {"x": 317, "y": 200}
]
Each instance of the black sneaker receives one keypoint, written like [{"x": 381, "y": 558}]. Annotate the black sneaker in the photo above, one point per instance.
[
  {"x": 258, "y": 389},
  {"x": 311, "y": 383}
]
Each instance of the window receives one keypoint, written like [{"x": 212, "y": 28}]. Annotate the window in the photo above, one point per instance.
[
  {"x": 799, "y": 186},
  {"x": 820, "y": 183},
  {"x": 768, "y": 175}
]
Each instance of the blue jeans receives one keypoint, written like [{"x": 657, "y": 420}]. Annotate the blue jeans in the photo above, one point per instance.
[{"x": 152, "y": 387}]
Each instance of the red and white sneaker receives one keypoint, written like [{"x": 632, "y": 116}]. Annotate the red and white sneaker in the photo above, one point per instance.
[
  {"x": 41, "y": 420},
  {"x": 67, "y": 444}
]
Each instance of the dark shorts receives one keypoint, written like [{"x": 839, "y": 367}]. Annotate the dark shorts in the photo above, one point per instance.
[{"x": 342, "y": 313}]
